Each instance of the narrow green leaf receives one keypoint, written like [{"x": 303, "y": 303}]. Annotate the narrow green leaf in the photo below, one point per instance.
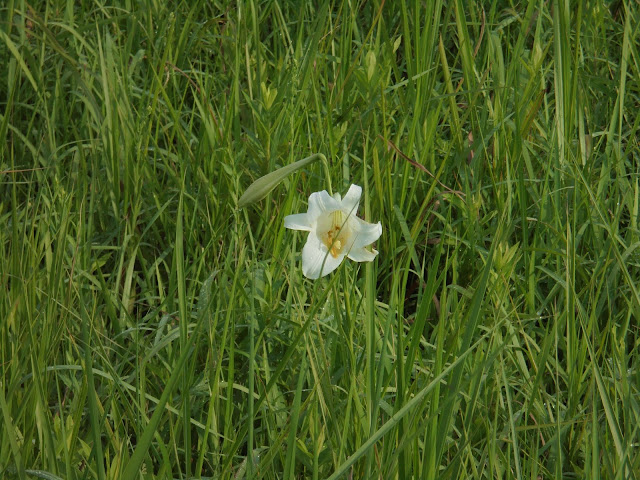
[
  {"x": 10, "y": 429},
  {"x": 408, "y": 238},
  {"x": 409, "y": 406},
  {"x": 135, "y": 462},
  {"x": 293, "y": 427},
  {"x": 23, "y": 65},
  {"x": 42, "y": 474}
]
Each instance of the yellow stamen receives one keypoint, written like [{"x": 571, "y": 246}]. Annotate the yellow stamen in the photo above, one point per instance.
[{"x": 335, "y": 237}]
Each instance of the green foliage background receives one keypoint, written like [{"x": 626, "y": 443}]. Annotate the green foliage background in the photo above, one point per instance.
[{"x": 151, "y": 329}]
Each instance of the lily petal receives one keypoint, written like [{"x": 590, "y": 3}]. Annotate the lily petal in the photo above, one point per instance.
[
  {"x": 314, "y": 255},
  {"x": 362, "y": 255},
  {"x": 298, "y": 221},
  {"x": 366, "y": 233},
  {"x": 351, "y": 200},
  {"x": 319, "y": 203}
]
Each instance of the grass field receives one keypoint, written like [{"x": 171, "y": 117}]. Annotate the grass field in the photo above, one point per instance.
[{"x": 151, "y": 328}]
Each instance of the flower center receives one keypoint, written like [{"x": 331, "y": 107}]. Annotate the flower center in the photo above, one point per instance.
[{"x": 336, "y": 236}]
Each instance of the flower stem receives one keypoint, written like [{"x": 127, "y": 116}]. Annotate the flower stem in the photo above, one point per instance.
[{"x": 327, "y": 173}]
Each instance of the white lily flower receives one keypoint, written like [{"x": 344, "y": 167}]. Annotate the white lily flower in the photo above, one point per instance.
[{"x": 334, "y": 232}]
